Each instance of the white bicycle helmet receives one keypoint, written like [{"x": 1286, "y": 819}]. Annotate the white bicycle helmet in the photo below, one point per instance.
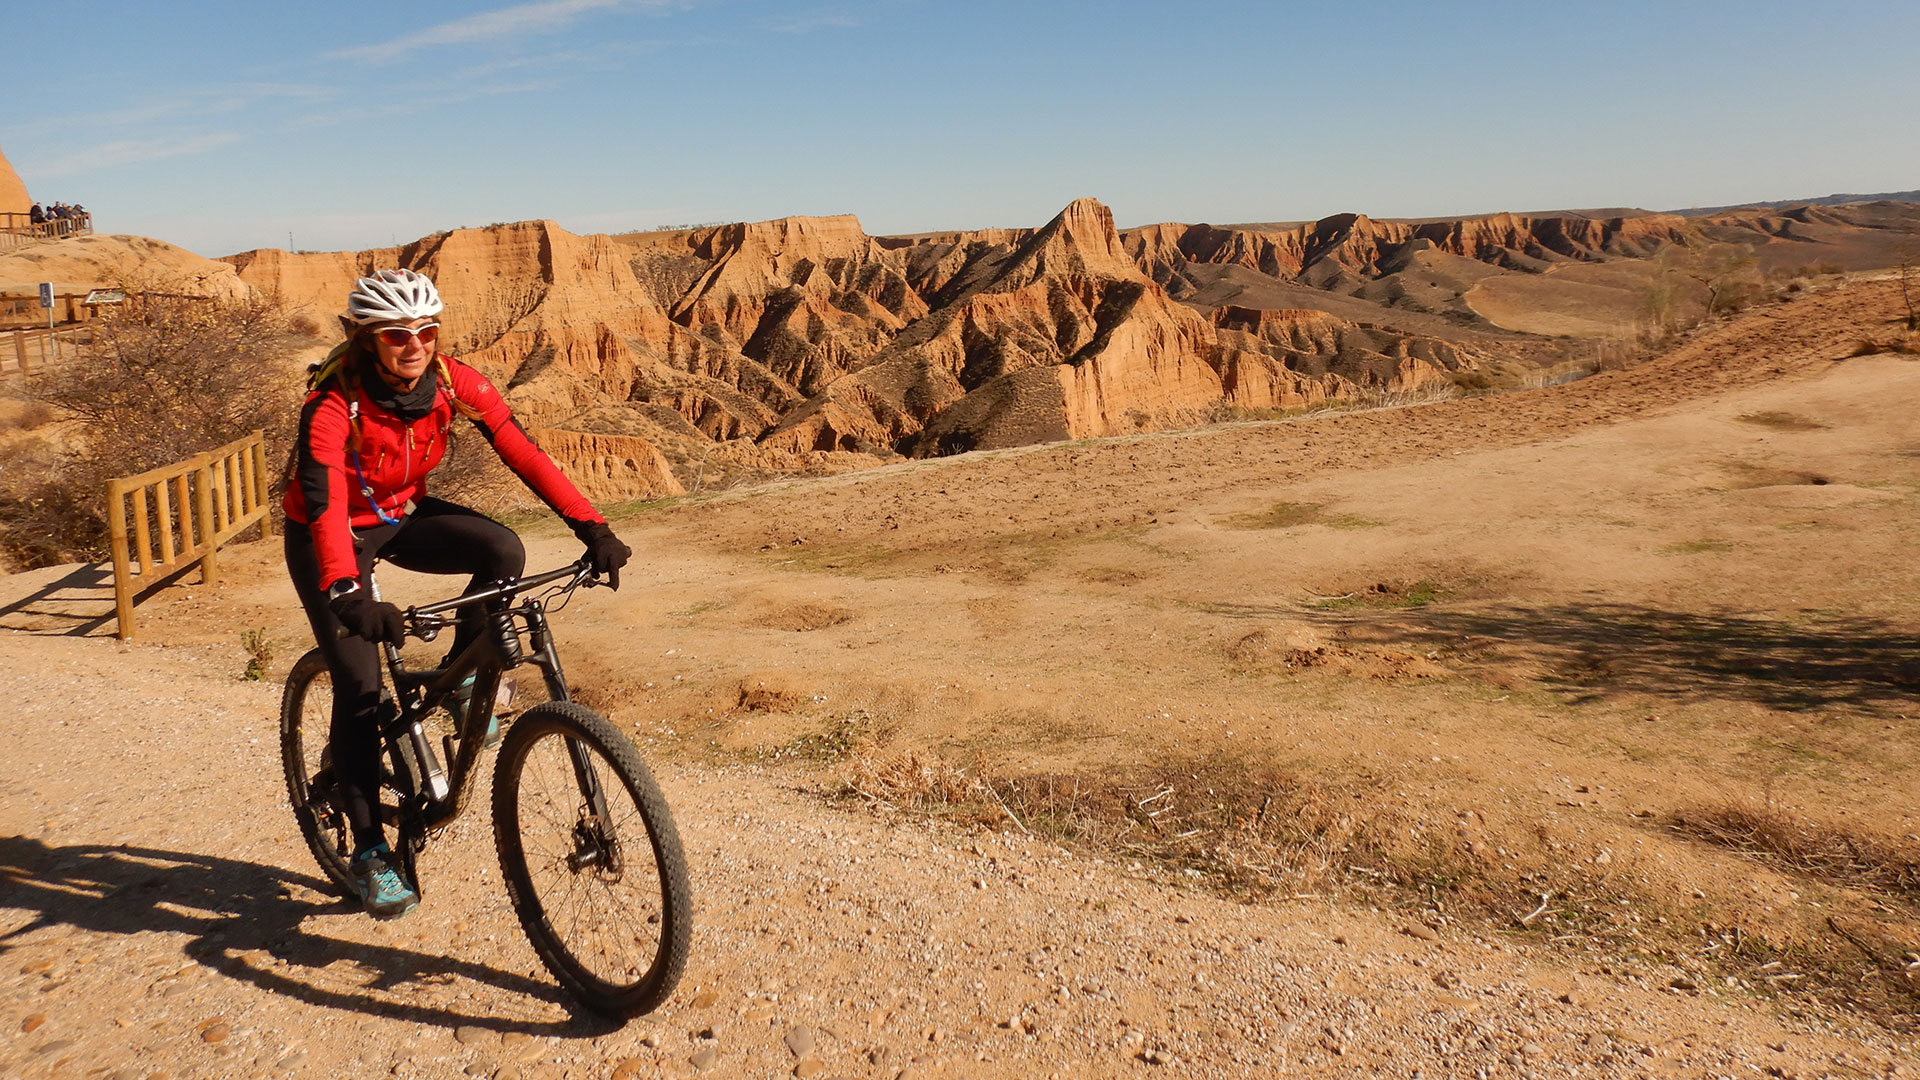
[{"x": 393, "y": 296}]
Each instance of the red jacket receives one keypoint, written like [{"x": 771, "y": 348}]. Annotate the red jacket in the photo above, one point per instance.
[{"x": 395, "y": 456}]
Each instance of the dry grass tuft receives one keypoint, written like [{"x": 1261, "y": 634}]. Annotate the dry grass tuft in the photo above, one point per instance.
[
  {"x": 915, "y": 780},
  {"x": 1248, "y": 833},
  {"x": 1287, "y": 515},
  {"x": 759, "y": 697},
  {"x": 1827, "y": 852}
]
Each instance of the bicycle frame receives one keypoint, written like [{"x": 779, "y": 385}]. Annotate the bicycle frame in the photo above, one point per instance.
[{"x": 491, "y": 655}]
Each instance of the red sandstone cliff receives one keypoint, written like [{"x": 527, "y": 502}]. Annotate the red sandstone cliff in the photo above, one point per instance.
[
  {"x": 13, "y": 191},
  {"x": 810, "y": 339}
]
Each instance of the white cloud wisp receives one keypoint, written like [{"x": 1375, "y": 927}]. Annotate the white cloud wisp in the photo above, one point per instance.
[{"x": 542, "y": 16}]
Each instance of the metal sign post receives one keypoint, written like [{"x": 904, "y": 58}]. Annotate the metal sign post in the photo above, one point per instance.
[{"x": 46, "y": 301}]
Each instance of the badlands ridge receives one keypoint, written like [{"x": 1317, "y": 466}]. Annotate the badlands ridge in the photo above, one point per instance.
[{"x": 657, "y": 361}]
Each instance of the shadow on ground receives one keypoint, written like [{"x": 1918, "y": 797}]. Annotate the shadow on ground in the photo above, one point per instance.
[
  {"x": 1594, "y": 650},
  {"x": 75, "y": 605},
  {"x": 236, "y": 914}
]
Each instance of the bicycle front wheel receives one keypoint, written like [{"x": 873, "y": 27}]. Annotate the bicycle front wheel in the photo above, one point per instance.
[
  {"x": 306, "y": 717},
  {"x": 591, "y": 859}
]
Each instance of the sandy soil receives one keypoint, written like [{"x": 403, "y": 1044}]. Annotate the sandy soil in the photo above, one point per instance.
[{"x": 1532, "y": 632}]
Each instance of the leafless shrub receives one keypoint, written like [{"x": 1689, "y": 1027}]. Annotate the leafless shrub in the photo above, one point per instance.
[
  {"x": 166, "y": 377},
  {"x": 1907, "y": 268},
  {"x": 174, "y": 375},
  {"x": 44, "y": 519}
]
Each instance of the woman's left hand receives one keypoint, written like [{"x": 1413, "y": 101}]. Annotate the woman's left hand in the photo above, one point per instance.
[{"x": 605, "y": 551}]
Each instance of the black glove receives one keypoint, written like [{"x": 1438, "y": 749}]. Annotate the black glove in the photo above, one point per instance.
[
  {"x": 604, "y": 550},
  {"x": 363, "y": 616}
]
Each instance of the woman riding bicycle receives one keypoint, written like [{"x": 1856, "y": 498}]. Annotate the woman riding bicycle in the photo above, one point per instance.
[{"x": 374, "y": 425}]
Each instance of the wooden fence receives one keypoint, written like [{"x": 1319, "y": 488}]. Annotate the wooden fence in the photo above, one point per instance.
[
  {"x": 33, "y": 352},
  {"x": 22, "y": 229},
  {"x": 180, "y": 515},
  {"x": 23, "y": 311}
]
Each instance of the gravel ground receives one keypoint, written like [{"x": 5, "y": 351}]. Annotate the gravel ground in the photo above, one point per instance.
[{"x": 159, "y": 917}]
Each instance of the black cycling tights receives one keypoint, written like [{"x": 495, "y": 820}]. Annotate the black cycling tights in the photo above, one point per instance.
[{"x": 437, "y": 538}]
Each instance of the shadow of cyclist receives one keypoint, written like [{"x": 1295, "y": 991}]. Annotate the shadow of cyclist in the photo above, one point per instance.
[{"x": 237, "y": 912}]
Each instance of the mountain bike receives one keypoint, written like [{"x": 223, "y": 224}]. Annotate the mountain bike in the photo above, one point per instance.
[{"x": 590, "y": 854}]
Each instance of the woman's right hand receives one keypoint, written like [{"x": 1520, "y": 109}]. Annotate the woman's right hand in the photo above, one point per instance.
[{"x": 375, "y": 620}]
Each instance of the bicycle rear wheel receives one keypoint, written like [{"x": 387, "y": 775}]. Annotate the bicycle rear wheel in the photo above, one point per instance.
[
  {"x": 592, "y": 859},
  {"x": 306, "y": 716}
]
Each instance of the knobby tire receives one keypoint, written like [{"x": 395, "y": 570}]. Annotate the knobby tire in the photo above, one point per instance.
[
  {"x": 615, "y": 933},
  {"x": 305, "y": 719}
]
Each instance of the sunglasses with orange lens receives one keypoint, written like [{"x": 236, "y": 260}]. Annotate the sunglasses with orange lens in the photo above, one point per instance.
[{"x": 399, "y": 336}]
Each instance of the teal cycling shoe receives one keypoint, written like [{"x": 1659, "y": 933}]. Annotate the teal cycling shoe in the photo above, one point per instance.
[
  {"x": 383, "y": 892},
  {"x": 464, "y": 695}
]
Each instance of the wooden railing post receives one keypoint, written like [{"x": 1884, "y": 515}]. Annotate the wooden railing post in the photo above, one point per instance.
[
  {"x": 222, "y": 477},
  {"x": 142, "y": 539},
  {"x": 262, "y": 487},
  {"x": 163, "y": 521},
  {"x": 122, "y": 572},
  {"x": 203, "y": 506}
]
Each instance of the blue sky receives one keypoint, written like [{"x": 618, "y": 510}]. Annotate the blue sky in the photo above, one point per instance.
[{"x": 228, "y": 126}]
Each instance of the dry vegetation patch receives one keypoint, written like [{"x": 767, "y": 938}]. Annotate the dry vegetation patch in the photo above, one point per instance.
[
  {"x": 1837, "y": 854},
  {"x": 1748, "y": 475},
  {"x": 1869, "y": 346},
  {"x": 1287, "y": 515},
  {"x": 1781, "y": 420},
  {"x": 801, "y": 618},
  {"x": 1258, "y": 832},
  {"x": 1299, "y": 648},
  {"x": 1860, "y": 946},
  {"x": 1387, "y": 594}
]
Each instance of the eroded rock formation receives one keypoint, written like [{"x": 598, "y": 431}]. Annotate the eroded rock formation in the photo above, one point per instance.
[
  {"x": 1343, "y": 251},
  {"x": 806, "y": 345}
]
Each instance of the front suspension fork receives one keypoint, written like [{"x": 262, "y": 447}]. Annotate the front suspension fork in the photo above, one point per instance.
[{"x": 593, "y": 841}]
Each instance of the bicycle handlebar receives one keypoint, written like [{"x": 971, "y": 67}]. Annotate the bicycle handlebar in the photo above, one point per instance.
[
  {"x": 426, "y": 617},
  {"x": 581, "y": 570}
]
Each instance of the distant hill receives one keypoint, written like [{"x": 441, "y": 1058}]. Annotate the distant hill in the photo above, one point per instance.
[{"x": 1824, "y": 200}]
